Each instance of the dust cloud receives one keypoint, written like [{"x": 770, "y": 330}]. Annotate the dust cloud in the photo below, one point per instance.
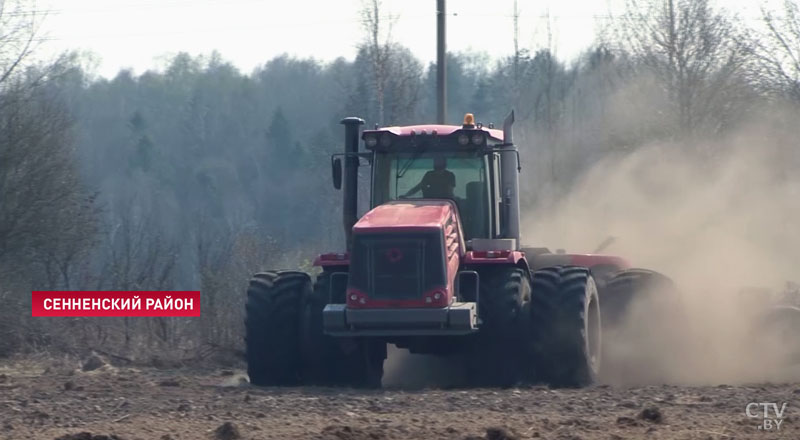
[
  {"x": 415, "y": 371},
  {"x": 720, "y": 217}
]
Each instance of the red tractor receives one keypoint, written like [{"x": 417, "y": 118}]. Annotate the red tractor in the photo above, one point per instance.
[{"x": 435, "y": 267}]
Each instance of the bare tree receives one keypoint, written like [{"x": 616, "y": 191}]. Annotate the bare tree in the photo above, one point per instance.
[
  {"x": 48, "y": 220},
  {"x": 226, "y": 259},
  {"x": 45, "y": 215},
  {"x": 696, "y": 53},
  {"x": 403, "y": 85},
  {"x": 19, "y": 23},
  {"x": 780, "y": 52},
  {"x": 137, "y": 256},
  {"x": 378, "y": 45},
  {"x": 67, "y": 261},
  {"x": 518, "y": 53}
]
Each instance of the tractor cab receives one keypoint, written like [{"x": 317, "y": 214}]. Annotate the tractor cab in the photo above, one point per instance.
[
  {"x": 440, "y": 161},
  {"x": 463, "y": 163}
]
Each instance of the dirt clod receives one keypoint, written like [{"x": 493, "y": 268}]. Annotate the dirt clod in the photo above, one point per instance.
[
  {"x": 227, "y": 431},
  {"x": 92, "y": 363},
  {"x": 3, "y": 378},
  {"x": 169, "y": 383},
  {"x": 69, "y": 385},
  {"x": 500, "y": 434},
  {"x": 652, "y": 414}
]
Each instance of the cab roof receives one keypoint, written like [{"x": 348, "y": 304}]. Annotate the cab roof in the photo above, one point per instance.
[{"x": 441, "y": 130}]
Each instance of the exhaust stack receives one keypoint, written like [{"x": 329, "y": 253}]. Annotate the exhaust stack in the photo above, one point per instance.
[
  {"x": 507, "y": 128},
  {"x": 350, "y": 206},
  {"x": 510, "y": 182}
]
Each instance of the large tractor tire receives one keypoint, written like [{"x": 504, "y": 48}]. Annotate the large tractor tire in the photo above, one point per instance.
[
  {"x": 329, "y": 361},
  {"x": 629, "y": 286},
  {"x": 496, "y": 358},
  {"x": 273, "y": 324},
  {"x": 565, "y": 326},
  {"x": 646, "y": 329}
]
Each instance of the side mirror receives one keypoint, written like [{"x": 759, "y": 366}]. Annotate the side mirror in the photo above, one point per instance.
[
  {"x": 336, "y": 165},
  {"x": 467, "y": 282}
]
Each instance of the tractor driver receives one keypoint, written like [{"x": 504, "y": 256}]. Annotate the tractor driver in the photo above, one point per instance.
[{"x": 438, "y": 183}]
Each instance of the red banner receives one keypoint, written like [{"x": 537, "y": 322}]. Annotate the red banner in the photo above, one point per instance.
[{"x": 115, "y": 303}]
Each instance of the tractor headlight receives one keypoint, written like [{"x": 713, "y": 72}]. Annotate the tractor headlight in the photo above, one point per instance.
[
  {"x": 478, "y": 138},
  {"x": 371, "y": 141},
  {"x": 463, "y": 139}
]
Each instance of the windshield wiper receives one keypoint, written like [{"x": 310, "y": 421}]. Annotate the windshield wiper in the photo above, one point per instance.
[{"x": 402, "y": 171}]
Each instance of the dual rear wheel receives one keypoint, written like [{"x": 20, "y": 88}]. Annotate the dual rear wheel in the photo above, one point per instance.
[
  {"x": 539, "y": 328},
  {"x": 285, "y": 343}
]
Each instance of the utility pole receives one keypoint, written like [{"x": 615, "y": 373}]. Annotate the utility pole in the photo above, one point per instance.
[{"x": 441, "y": 68}]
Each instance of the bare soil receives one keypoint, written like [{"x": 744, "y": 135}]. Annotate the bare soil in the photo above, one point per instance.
[{"x": 61, "y": 401}]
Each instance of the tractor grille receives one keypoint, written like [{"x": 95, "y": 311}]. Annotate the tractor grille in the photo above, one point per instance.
[{"x": 397, "y": 267}]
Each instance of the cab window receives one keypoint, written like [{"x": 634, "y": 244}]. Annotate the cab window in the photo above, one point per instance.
[{"x": 416, "y": 176}]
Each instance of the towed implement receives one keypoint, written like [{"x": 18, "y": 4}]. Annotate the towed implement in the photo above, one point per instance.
[{"x": 436, "y": 266}]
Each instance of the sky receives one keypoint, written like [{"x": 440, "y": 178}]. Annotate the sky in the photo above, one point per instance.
[{"x": 143, "y": 34}]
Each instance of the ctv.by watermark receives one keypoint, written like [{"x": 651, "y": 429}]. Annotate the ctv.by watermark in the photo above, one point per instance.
[{"x": 770, "y": 414}]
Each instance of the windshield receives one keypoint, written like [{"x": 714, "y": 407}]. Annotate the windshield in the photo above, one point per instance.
[{"x": 459, "y": 176}]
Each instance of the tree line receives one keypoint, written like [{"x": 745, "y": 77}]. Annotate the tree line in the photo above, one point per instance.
[{"x": 198, "y": 175}]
